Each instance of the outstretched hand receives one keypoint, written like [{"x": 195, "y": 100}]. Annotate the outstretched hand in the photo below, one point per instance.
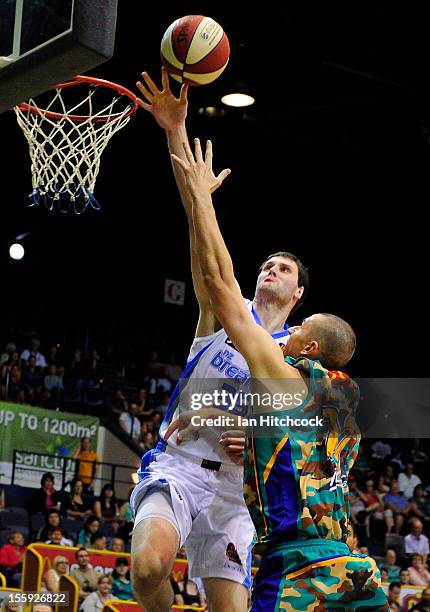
[
  {"x": 198, "y": 171},
  {"x": 168, "y": 111}
]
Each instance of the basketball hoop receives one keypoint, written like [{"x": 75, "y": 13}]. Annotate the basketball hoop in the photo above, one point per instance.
[{"x": 67, "y": 140}]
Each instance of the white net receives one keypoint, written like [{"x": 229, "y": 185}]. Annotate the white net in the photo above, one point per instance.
[{"x": 65, "y": 150}]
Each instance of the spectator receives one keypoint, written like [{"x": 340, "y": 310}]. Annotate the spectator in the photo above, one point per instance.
[
  {"x": 389, "y": 564},
  {"x": 147, "y": 441},
  {"x": 2, "y": 500},
  {"x": 418, "y": 573},
  {"x": 52, "y": 385},
  {"x": 52, "y": 520},
  {"x": 105, "y": 507},
  {"x": 9, "y": 348},
  {"x": 416, "y": 542},
  {"x": 384, "y": 575},
  {"x": 11, "y": 558},
  {"x": 46, "y": 498},
  {"x": 393, "y": 596},
  {"x": 55, "y": 359},
  {"x": 172, "y": 371},
  {"x": 421, "y": 503},
  {"x": 76, "y": 504},
  {"x": 88, "y": 463},
  {"x": 129, "y": 422},
  {"x": 404, "y": 577},
  {"x": 121, "y": 584},
  {"x": 187, "y": 593},
  {"x": 32, "y": 380},
  {"x": 52, "y": 576},
  {"x": 117, "y": 545},
  {"x": 98, "y": 541},
  {"x": 424, "y": 604},
  {"x": 351, "y": 540},
  {"x": 13, "y": 387},
  {"x": 398, "y": 506},
  {"x": 385, "y": 479},
  {"x": 57, "y": 537},
  {"x": 33, "y": 350},
  {"x": 91, "y": 526},
  {"x": 373, "y": 506},
  {"x": 397, "y": 461},
  {"x": 96, "y": 601},
  {"x": 161, "y": 408},
  {"x": 118, "y": 402},
  {"x": 145, "y": 412},
  {"x": 84, "y": 574},
  {"x": 126, "y": 518},
  {"x": 155, "y": 374},
  {"x": 408, "y": 481}
]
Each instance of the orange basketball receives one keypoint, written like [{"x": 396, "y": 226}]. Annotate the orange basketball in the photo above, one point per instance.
[{"x": 195, "y": 50}]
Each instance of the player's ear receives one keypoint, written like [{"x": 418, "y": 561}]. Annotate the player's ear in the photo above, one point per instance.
[
  {"x": 298, "y": 293},
  {"x": 311, "y": 349}
]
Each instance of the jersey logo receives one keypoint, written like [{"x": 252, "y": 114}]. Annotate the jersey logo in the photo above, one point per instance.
[
  {"x": 230, "y": 343},
  {"x": 232, "y": 554},
  {"x": 222, "y": 361}
]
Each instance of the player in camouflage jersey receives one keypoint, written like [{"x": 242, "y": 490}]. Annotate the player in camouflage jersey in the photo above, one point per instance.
[{"x": 296, "y": 479}]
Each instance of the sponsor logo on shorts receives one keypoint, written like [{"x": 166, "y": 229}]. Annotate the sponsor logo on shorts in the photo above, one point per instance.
[{"x": 232, "y": 554}]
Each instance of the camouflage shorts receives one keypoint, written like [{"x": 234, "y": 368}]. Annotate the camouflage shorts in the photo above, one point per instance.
[{"x": 315, "y": 576}]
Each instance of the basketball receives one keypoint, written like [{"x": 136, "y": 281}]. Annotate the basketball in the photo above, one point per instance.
[{"x": 195, "y": 50}]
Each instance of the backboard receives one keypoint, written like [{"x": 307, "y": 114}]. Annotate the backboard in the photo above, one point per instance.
[{"x": 45, "y": 42}]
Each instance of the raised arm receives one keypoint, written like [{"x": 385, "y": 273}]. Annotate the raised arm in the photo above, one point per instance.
[
  {"x": 170, "y": 114},
  {"x": 263, "y": 355}
]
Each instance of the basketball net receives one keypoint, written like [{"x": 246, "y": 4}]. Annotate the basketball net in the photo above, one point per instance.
[{"x": 66, "y": 142}]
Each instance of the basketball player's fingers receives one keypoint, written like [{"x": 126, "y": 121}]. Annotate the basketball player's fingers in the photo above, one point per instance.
[
  {"x": 145, "y": 93},
  {"x": 179, "y": 162},
  {"x": 184, "y": 93},
  {"x": 150, "y": 84},
  {"x": 144, "y": 105},
  {"x": 174, "y": 425},
  {"x": 198, "y": 150},
  {"x": 188, "y": 153},
  {"x": 208, "y": 153},
  {"x": 234, "y": 450},
  {"x": 233, "y": 443},
  {"x": 223, "y": 174},
  {"x": 165, "y": 79},
  {"x": 237, "y": 434}
]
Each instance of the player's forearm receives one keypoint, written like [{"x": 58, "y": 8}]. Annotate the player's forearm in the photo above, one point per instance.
[
  {"x": 175, "y": 140},
  {"x": 214, "y": 259}
]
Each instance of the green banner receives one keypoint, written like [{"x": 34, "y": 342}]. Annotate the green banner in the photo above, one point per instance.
[{"x": 38, "y": 430}]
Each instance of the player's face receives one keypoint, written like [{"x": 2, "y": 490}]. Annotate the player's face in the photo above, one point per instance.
[
  {"x": 300, "y": 337},
  {"x": 278, "y": 279}
]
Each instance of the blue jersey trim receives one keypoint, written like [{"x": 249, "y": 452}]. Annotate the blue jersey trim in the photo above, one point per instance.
[
  {"x": 188, "y": 370},
  {"x": 258, "y": 321}
]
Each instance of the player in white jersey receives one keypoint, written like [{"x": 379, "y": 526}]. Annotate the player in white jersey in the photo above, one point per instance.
[{"x": 192, "y": 494}]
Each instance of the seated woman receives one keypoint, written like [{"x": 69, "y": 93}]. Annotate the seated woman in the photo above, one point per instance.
[
  {"x": 105, "y": 507},
  {"x": 121, "y": 583},
  {"x": 52, "y": 576},
  {"x": 92, "y": 526},
  {"x": 187, "y": 593},
  {"x": 47, "y": 497},
  {"x": 76, "y": 504},
  {"x": 418, "y": 572}
]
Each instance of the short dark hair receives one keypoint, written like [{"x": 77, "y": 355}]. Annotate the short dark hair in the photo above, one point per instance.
[
  {"x": 337, "y": 341},
  {"x": 47, "y": 476},
  {"x": 79, "y": 550},
  {"x": 303, "y": 274},
  {"x": 393, "y": 585},
  {"x": 96, "y": 536}
]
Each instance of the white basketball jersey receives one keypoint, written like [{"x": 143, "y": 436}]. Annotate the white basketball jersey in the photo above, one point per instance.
[{"x": 211, "y": 357}]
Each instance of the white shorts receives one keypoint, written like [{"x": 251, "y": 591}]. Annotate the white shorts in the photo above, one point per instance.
[{"x": 211, "y": 516}]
